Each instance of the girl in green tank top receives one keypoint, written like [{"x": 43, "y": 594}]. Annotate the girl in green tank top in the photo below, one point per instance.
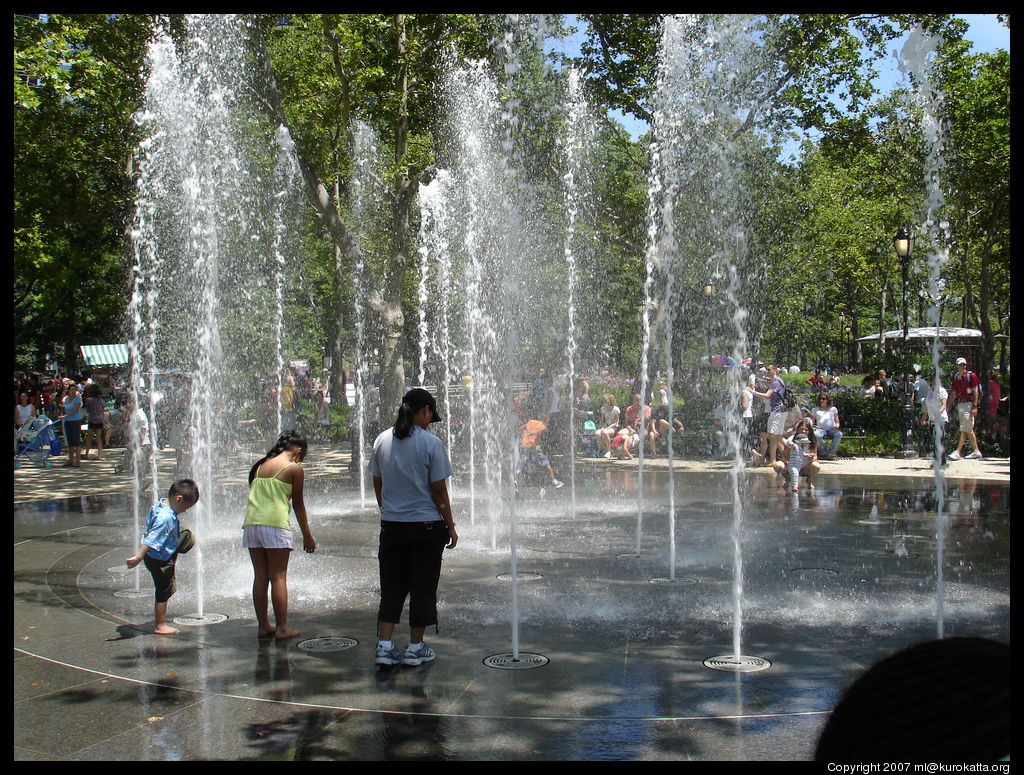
[{"x": 275, "y": 487}]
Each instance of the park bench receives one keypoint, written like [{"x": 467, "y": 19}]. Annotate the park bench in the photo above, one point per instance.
[{"x": 856, "y": 434}]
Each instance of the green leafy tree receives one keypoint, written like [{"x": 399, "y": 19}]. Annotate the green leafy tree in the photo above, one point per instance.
[
  {"x": 385, "y": 69},
  {"x": 77, "y": 82},
  {"x": 976, "y": 185}
]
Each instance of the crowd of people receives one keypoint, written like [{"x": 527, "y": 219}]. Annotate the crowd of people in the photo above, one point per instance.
[
  {"x": 761, "y": 412},
  {"x": 758, "y": 411},
  {"x": 73, "y": 402}
]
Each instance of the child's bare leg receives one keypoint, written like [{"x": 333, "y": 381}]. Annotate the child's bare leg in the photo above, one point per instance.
[
  {"x": 160, "y": 614},
  {"x": 763, "y": 448},
  {"x": 277, "y": 569},
  {"x": 260, "y": 594},
  {"x": 811, "y": 470}
]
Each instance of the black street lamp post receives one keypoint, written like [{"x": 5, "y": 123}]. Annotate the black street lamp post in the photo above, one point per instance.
[{"x": 904, "y": 244}]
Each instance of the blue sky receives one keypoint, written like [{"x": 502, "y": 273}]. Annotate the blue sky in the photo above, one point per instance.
[{"x": 986, "y": 35}]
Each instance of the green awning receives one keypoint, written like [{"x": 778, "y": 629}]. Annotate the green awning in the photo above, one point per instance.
[{"x": 105, "y": 354}]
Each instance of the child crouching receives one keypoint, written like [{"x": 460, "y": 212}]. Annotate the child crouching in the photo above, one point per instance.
[{"x": 800, "y": 457}]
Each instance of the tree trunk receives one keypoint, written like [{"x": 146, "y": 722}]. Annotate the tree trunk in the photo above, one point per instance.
[
  {"x": 337, "y": 324},
  {"x": 341, "y": 277},
  {"x": 70, "y": 332},
  {"x": 988, "y": 341},
  {"x": 392, "y": 382}
]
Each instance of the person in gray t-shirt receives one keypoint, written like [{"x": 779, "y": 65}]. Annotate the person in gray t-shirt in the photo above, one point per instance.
[{"x": 409, "y": 467}]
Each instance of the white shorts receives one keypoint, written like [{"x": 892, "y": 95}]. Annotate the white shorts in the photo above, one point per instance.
[
  {"x": 963, "y": 411},
  {"x": 777, "y": 423},
  {"x": 266, "y": 537}
]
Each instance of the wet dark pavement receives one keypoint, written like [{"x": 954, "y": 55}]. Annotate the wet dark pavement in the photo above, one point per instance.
[{"x": 827, "y": 592}]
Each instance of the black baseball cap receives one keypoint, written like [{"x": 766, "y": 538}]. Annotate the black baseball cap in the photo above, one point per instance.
[{"x": 417, "y": 398}]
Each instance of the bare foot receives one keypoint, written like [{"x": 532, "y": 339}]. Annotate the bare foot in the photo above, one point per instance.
[
  {"x": 266, "y": 633},
  {"x": 163, "y": 629},
  {"x": 810, "y": 486},
  {"x": 283, "y": 633}
]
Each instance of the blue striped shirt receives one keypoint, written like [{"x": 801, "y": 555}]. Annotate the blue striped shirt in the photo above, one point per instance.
[{"x": 161, "y": 531}]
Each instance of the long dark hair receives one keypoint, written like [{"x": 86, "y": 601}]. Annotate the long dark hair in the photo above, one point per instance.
[
  {"x": 287, "y": 440},
  {"x": 404, "y": 422},
  {"x": 412, "y": 402}
]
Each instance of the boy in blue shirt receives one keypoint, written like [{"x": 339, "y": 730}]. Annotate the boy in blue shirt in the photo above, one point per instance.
[{"x": 163, "y": 541}]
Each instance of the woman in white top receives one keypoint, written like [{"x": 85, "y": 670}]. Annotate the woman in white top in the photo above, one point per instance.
[
  {"x": 23, "y": 411},
  {"x": 608, "y": 423},
  {"x": 826, "y": 421}
]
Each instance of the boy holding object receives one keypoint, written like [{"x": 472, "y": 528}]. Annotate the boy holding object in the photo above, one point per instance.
[{"x": 162, "y": 542}]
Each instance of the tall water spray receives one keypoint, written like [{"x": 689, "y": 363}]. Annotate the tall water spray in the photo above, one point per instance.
[
  {"x": 207, "y": 304},
  {"x": 695, "y": 222},
  {"x": 925, "y": 100},
  {"x": 486, "y": 249},
  {"x": 576, "y": 139},
  {"x": 436, "y": 227},
  {"x": 489, "y": 263}
]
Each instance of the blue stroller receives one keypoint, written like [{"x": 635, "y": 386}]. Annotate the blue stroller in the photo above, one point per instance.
[{"x": 37, "y": 442}]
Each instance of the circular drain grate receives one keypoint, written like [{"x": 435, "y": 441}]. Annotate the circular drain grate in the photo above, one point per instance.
[
  {"x": 509, "y": 662},
  {"x": 629, "y": 556},
  {"x": 198, "y": 620},
  {"x": 521, "y": 576},
  {"x": 740, "y": 664},
  {"x": 328, "y": 643},
  {"x": 130, "y": 593},
  {"x": 812, "y": 572},
  {"x": 676, "y": 580}
]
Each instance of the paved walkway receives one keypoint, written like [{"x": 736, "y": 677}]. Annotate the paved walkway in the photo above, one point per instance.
[{"x": 95, "y": 477}]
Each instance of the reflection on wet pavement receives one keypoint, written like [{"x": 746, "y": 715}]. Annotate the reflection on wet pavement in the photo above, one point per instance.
[{"x": 824, "y": 596}]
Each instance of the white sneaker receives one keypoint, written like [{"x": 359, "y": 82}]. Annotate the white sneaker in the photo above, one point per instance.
[
  {"x": 556, "y": 484},
  {"x": 417, "y": 656},
  {"x": 974, "y": 455},
  {"x": 387, "y": 656},
  {"x": 608, "y": 454},
  {"x": 954, "y": 455}
]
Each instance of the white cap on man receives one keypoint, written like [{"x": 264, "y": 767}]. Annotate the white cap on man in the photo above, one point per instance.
[{"x": 961, "y": 360}]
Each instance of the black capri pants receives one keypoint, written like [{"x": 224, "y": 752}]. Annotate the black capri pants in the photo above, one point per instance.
[{"x": 410, "y": 565}]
